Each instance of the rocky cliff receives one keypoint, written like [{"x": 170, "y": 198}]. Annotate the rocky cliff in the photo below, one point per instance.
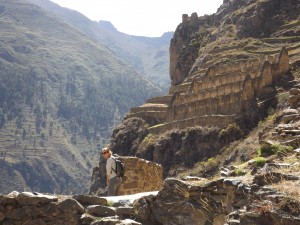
[
  {"x": 140, "y": 176},
  {"x": 228, "y": 201},
  {"x": 229, "y": 71}
]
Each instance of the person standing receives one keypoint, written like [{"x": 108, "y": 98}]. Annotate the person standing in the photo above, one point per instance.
[{"x": 113, "y": 182}]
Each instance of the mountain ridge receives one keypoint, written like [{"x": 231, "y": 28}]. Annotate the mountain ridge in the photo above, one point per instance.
[
  {"x": 137, "y": 51},
  {"x": 61, "y": 94},
  {"x": 208, "y": 57}
]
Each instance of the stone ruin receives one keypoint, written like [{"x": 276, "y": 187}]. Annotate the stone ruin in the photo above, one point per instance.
[
  {"x": 220, "y": 201},
  {"x": 216, "y": 96},
  {"x": 140, "y": 176}
]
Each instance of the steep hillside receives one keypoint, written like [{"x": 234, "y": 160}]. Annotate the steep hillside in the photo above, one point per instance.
[
  {"x": 61, "y": 93},
  {"x": 229, "y": 71},
  {"x": 148, "y": 56}
]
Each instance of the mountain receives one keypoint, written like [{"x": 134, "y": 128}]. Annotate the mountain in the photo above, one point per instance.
[
  {"x": 230, "y": 72},
  {"x": 149, "y": 56},
  {"x": 61, "y": 94}
]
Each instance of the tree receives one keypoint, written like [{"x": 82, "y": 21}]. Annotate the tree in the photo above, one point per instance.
[
  {"x": 2, "y": 120},
  {"x": 24, "y": 134}
]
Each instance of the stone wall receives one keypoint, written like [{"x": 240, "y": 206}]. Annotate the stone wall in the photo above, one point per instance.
[
  {"x": 32, "y": 208},
  {"x": 215, "y": 94},
  {"x": 192, "y": 122},
  {"x": 140, "y": 176}
]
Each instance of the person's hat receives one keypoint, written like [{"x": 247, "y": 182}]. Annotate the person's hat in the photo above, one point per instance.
[{"x": 104, "y": 150}]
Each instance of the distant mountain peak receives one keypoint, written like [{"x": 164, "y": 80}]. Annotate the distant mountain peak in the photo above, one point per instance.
[{"x": 107, "y": 25}]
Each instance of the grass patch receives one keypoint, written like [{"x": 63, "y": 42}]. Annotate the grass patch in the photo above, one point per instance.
[
  {"x": 240, "y": 172},
  {"x": 110, "y": 203},
  {"x": 290, "y": 188},
  {"x": 148, "y": 140},
  {"x": 274, "y": 149},
  {"x": 259, "y": 161},
  {"x": 283, "y": 98},
  {"x": 157, "y": 125}
]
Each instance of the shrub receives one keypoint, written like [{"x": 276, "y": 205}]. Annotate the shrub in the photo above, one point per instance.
[
  {"x": 274, "y": 149},
  {"x": 259, "y": 161},
  {"x": 240, "y": 172},
  {"x": 231, "y": 133},
  {"x": 148, "y": 140},
  {"x": 282, "y": 98},
  {"x": 211, "y": 162}
]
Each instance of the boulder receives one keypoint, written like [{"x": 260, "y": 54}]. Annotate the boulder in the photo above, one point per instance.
[
  {"x": 2, "y": 216},
  {"x": 102, "y": 211},
  {"x": 71, "y": 206},
  {"x": 294, "y": 91},
  {"x": 34, "y": 198},
  {"x": 86, "y": 219},
  {"x": 90, "y": 200},
  {"x": 113, "y": 220},
  {"x": 124, "y": 211},
  {"x": 35, "y": 222},
  {"x": 290, "y": 111},
  {"x": 289, "y": 118},
  {"x": 294, "y": 100}
]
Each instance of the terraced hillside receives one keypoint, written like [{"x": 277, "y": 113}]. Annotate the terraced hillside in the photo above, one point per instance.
[
  {"x": 61, "y": 94},
  {"x": 229, "y": 70}
]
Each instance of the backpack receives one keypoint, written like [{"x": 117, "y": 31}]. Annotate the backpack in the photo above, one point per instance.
[{"x": 120, "y": 168}]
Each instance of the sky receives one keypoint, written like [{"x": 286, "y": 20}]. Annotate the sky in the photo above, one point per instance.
[{"x": 149, "y": 18}]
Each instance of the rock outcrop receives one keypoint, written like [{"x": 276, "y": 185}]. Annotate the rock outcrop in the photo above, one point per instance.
[
  {"x": 217, "y": 96},
  {"x": 38, "y": 209},
  {"x": 222, "y": 201},
  {"x": 228, "y": 69},
  {"x": 245, "y": 200},
  {"x": 140, "y": 176},
  {"x": 225, "y": 66}
]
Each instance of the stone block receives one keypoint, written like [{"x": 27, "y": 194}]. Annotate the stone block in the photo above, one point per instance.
[
  {"x": 2, "y": 216},
  {"x": 133, "y": 184},
  {"x": 34, "y": 198},
  {"x": 71, "y": 206},
  {"x": 90, "y": 200},
  {"x": 102, "y": 211},
  {"x": 127, "y": 211},
  {"x": 35, "y": 222},
  {"x": 86, "y": 219}
]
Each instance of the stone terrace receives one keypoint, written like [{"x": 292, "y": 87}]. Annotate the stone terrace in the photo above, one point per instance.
[{"x": 216, "y": 96}]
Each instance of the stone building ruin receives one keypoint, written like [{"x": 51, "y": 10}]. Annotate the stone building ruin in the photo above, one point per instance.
[{"x": 216, "y": 96}]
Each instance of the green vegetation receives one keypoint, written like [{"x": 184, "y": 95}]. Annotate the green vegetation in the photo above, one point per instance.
[
  {"x": 70, "y": 75},
  {"x": 148, "y": 140},
  {"x": 259, "y": 161},
  {"x": 282, "y": 98},
  {"x": 110, "y": 203},
  {"x": 148, "y": 56},
  {"x": 157, "y": 125},
  {"x": 274, "y": 149},
  {"x": 230, "y": 133},
  {"x": 210, "y": 163},
  {"x": 61, "y": 92}
]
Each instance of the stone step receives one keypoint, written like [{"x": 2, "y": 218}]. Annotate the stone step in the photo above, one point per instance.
[
  {"x": 160, "y": 99},
  {"x": 148, "y": 114},
  {"x": 233, "y": 222},
  {"x": 281, "y": 40},
  {"x": 221, "y": 120},
  {"x": 180, "y": 88},
  {"x": 150, "y": 107},
  {"x": 291, "y": 25}
]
